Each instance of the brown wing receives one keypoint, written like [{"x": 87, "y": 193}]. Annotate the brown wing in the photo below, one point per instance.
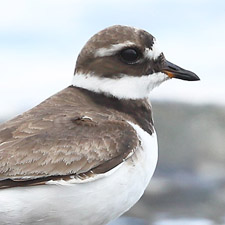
[{"x": 56, "y": 139}]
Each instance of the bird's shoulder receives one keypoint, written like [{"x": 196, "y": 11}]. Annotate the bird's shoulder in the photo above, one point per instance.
[{"x": 64, "y": 135}]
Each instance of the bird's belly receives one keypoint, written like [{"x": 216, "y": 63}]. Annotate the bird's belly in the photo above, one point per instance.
[{"x": 90, "y": 203}]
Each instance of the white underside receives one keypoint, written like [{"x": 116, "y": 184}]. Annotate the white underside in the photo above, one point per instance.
[{"x": 90, "y": 203}]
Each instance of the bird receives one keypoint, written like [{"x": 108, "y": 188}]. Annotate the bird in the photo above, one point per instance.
[{"x": 85, "y": 155}]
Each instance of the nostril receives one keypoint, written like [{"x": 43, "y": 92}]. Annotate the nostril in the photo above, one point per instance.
[{"x": 172, "y": 68}]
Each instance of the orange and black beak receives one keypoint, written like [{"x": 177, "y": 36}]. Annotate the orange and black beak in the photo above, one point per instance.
[{"x": 174, "y": 71}]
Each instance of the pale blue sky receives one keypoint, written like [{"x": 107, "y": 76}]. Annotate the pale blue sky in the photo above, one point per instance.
[{"x": 40, "y": 40}]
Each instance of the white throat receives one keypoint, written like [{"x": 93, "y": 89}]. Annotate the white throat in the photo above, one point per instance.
[{"x": 125, "y": 87}]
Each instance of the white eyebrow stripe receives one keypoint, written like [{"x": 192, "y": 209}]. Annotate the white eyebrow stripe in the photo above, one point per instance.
[
  {"x": 154, "y": 52},
  {"x": 101, "y": 52}
]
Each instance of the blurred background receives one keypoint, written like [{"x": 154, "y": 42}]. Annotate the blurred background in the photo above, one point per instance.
[{"x": 39, "y": 44}]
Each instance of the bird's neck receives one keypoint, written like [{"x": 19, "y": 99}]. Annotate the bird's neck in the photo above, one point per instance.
[{"x": 139, "y": 110}]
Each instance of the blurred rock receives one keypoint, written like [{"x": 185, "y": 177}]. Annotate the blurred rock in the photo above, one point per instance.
[{"x": 191, "y": 139}]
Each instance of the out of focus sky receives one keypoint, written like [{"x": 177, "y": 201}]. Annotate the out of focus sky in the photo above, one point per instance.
[{"x": 40, "y": 40}]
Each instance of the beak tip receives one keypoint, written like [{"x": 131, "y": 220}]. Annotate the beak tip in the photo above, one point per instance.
[{"x": 193, "y": 77}]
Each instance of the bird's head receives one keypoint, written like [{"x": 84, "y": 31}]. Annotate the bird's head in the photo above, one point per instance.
[{"x": 126, "y": 63}]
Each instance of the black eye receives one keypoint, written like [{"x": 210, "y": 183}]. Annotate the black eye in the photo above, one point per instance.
[{"x": 129, "y": 55}]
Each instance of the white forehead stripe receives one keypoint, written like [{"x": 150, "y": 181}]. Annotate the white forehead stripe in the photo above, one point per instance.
[
  {"x": 154, "y": 52},
  {"x": 125, "y": 87},
  {"x": 101, "y": 52}
]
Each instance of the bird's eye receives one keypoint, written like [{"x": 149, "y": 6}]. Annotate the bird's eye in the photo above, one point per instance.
[{"x": 129, "y": 55}]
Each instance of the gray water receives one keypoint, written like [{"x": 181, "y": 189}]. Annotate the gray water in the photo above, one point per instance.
[{"x": 178, "y": 221}]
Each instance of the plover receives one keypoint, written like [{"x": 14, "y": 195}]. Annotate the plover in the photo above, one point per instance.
[{"x": 85, "y": 155}]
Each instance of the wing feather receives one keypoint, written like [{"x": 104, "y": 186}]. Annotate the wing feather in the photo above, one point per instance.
[{"x": 53, "y": 140}]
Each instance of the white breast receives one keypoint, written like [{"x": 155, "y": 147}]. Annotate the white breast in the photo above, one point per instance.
[{"x": 90, "y": 203}]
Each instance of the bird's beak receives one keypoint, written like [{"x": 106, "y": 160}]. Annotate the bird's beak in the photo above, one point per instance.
[{"x": 174, "y": 71}]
